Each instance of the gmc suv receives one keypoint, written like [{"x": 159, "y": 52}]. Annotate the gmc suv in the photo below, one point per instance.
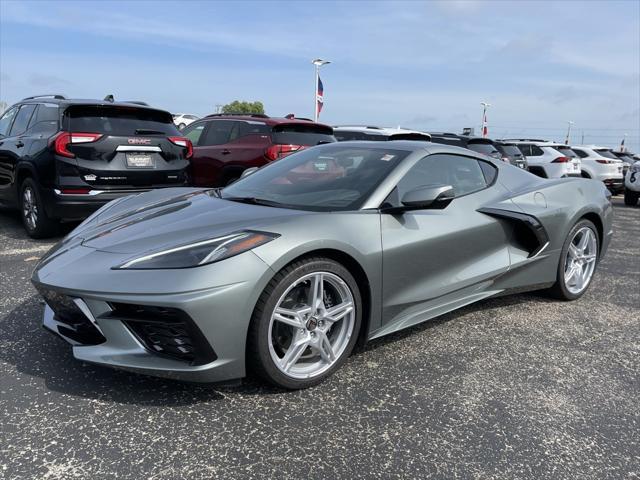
[
  {"x": 225, "y": 145},
  {"x": 62, "y": 159}
]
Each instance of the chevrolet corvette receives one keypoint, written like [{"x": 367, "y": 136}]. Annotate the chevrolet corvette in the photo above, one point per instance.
[{"x": 285, "y": 271}]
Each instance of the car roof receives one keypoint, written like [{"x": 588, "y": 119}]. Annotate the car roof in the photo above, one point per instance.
[
  {"x": 372, "y": 129},
  {"x": 262, "y": 118},
  {"x": 539, "y": 143},
  {"x": 594, "y": 147},
  {"x": 66, "y": 102}
]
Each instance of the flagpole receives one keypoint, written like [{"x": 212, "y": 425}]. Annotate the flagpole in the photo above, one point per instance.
[
  {"x": 318, "y": 62},
  {"x": 484, "y": 118},
  {"x": 315, "y": 93},
  {"x": 566, "y": 140}
]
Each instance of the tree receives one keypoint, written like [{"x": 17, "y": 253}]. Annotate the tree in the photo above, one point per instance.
[{"x": 238, "y": 106}]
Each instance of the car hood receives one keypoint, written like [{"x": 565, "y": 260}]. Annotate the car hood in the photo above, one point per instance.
[{"x": 175, "y": 217}]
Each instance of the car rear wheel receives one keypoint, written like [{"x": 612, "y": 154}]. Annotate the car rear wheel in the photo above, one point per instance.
[
  {"x": 34, "y": 217},
  {"x": 305, "y": 324},
  {"x": 578, "y": 261},
  {"x": 631, "y": 197}
]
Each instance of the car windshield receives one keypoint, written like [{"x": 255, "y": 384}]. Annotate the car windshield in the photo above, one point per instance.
[
  {"x": 326, "y": 178},
  {"x": 566, "y": 151},
  {"x": 486, "y": 148},
  {"x": 118, "y": 120},
  {"x": 301, "y": 134},
  {"x": 606, "y": 153},
  {"x": 511, "y": 150}
]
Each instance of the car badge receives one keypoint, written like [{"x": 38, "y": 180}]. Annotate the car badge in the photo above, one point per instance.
[
  {"x": 90, "y": 178},
  {"x": 139, "y": 141}
]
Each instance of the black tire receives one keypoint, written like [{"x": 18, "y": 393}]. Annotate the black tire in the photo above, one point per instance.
[
  {"x": 631, "y": 197},
  {"x": 40, "y": 226},
  {"x": 259, "y": 359},
  {"x": 559, "y": 289}
]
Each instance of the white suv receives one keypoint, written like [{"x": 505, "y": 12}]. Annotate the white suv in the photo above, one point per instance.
[
  {"x": 632, "y": 184},
  {"x": 181, "y": 120},
  {"x": 344, "y": 133},
  {"x": 549, "y": 159},
  {"x": 601, "y": 164}
]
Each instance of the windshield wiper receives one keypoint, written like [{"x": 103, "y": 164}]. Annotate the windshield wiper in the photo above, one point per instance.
[
  {"x": 254, "y": 201},
  {"x": 147, "y": 131}
]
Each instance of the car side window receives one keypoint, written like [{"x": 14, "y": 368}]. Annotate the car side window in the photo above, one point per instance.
[
  {"x": 536, "y": 151},
  {"x": 22, "y": 120},
  {"x": 5, "y": 121},
  {"x": 218, "y": 133},
  {"x": 464, "y": 174},
  {"x": 581, "y": 153},
  {"x": 194, "y": 132},
  {"x": 45, "y": 119}
]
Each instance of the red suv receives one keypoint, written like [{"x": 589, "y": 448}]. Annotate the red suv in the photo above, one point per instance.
[{"x": 225, "y": 145}]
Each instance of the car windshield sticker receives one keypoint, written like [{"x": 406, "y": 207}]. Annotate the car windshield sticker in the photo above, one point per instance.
[{"x": 387, "y": 157}]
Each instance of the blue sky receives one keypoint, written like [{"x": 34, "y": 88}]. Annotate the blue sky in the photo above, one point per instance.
[{"x": 424, "y": 65}]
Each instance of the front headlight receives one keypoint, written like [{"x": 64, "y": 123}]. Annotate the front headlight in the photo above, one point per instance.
[{"x": 199, "y": 253}]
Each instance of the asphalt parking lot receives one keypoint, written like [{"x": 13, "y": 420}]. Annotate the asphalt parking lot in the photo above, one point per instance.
[{"x": 515, "y": 387}]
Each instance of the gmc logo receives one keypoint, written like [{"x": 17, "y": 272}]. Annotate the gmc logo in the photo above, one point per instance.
[{"x": 139, "y": 141}]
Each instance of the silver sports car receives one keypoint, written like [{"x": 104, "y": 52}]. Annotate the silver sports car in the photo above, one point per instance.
[{"x": 285, "y": 271}]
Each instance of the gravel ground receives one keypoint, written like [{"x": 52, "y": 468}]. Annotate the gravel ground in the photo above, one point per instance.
[{"x": 516, "y": 387}]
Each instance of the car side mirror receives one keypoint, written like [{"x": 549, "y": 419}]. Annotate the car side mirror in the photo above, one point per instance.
[
  {"x": 428, "y": 197},
  {"x": 248, "y": 172}
]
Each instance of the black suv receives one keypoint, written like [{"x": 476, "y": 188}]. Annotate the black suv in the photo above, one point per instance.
[{"x": 62, "y": 159}]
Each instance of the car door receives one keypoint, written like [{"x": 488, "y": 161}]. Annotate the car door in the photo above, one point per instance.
[
  {"x": 437, "y": 260},
  {"x": 14, "y": 147},
  {"x": 210, "y": 151}
]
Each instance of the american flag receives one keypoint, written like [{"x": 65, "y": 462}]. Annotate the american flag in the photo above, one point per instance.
[
  {"x": 320, "y": 95},
  {"x": 622, "y": 145},
  {"x": 485, "y": 127}
]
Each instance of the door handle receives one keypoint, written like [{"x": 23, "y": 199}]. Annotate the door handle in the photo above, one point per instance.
[
  {"x": 19, "y": 144},
  {"x": 225, "y": 152}
]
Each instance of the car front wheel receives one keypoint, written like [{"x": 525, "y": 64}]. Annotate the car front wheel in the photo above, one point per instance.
[
  {"x": 578, "y": 260},
  {"x": 34, "y": 217},
  {"x": 305, "y": 324}
]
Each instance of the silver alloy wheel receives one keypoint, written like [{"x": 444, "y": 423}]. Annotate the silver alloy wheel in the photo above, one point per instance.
[
  {"x": 30, "y": 207},
  {"x": 312, "y": 324},
  {"x": 581, "y": 260}
]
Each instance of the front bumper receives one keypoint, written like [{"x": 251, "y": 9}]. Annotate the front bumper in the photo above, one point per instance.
[{"x": 218, "y": 298}]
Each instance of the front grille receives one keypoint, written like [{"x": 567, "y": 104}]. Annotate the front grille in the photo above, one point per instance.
[
  {"x": 165, "y": 331},
  {"x": 75, "y": 324}
]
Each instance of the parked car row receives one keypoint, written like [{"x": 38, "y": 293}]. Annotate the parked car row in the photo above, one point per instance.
[{"x": 61, "y": 159}]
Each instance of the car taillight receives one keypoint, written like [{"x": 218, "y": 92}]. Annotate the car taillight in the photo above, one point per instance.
[
  {"x": 62, "y": 140},
  {"x": 183, "y": 142},
  {"x": 274, "y": 152},
  {"x": 562, "y": 160},
  {"x": 606, "y": 162}
]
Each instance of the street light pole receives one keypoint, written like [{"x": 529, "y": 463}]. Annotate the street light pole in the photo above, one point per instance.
[
  {"x": 318, "y": 62},
  {"x": 485, "y": 127},
  {"x": 566, "y": 141}
]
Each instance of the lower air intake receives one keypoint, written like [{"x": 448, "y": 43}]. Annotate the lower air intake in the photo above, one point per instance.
[{"x": 165, "y": 331}]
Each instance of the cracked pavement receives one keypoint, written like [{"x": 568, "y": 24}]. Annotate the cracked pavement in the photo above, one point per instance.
[{"x": 515, "y": 387}]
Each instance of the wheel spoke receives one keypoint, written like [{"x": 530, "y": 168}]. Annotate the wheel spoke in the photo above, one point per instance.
[
  {"x": 293, "y": 354},
  {"x": 326, "y": 350},
  {"x": 573, "y": 251},
  {"x": 589, "y": 258},
  {"x": 337, "y": 312},
  {"x": 289, "y": 317},
  {"x": 569, "y": 276},
  {"x": 584, "y": 240},
  {"x": 316, "y": 291}
]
